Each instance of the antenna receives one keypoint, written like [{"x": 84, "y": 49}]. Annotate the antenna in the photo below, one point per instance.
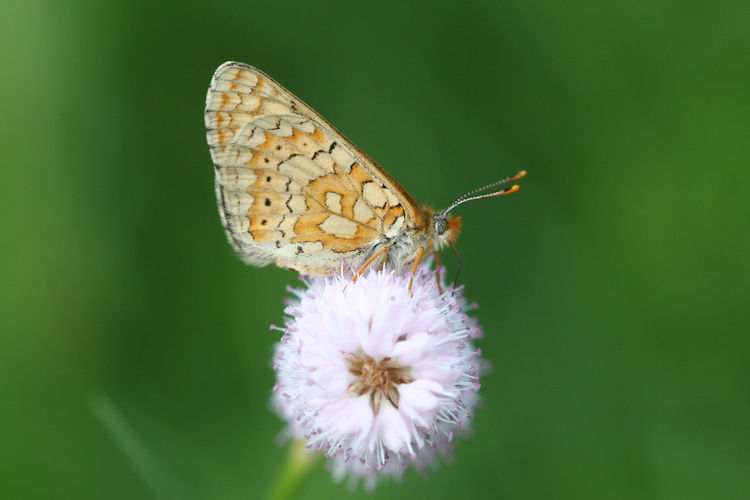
[{"x": 472, "y": 195}]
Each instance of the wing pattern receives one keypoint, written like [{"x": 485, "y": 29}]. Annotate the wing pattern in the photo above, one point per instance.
[{"x": 291, "y": 189}]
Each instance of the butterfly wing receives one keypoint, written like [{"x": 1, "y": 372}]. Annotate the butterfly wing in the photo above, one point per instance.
[{"x": 291, "y": 189}]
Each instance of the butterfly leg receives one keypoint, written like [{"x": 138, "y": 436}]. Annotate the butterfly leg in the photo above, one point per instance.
[
  {"x": 417, "y": 260},
  {"x": 385, "y": 257},
  {"x": 369, "y": 261}
]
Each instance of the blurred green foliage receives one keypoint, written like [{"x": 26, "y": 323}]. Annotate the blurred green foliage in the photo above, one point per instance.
[{"x": 612, "y": 287}]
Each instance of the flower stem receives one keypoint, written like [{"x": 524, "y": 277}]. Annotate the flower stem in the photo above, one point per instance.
[{"x": 299, "y": 463}]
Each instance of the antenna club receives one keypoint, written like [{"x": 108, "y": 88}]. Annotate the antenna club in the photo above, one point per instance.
[
  {"x": 514, "y": 188},
  {"x": 474, "y": 195}
]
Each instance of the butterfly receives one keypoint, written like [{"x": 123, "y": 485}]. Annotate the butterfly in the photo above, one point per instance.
[{"x": 292, "y": 190}]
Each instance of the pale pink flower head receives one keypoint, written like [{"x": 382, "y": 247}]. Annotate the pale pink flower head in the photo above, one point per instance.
[{"x": 374, "y": 375}]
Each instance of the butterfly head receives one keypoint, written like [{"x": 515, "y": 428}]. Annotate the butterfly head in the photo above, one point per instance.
[{"x": 445, "y": 229}]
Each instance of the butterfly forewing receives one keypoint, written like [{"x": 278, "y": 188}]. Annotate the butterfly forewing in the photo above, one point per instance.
[{"x": 291, "y": 189}]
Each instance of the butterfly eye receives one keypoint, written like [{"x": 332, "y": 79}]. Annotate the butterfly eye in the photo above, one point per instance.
[{"x": 439, "y": 224}]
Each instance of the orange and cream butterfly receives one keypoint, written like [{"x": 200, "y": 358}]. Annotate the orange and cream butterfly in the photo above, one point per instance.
[{"x": 293, "y": 191}]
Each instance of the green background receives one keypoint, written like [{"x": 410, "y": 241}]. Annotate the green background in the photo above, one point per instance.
[{"x": 135, "y": 351}]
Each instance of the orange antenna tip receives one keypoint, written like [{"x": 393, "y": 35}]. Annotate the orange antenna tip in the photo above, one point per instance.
[
  {"x": 473, "y": 195},
  {"x": 512, "y": 189}
]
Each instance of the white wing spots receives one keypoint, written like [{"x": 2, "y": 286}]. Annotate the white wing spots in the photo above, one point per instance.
[
  {"x": 276, "y": 108},
  {"x": 287, "y": 224},
  {"x": 362, "y": 212},
  {"x": 248, "y": 103},
  {"x": 396, "y": 227},
  {"x": 238, "y": 121},
  {"x": 216, "y": 119},
  {"x": 236, "y": 179},
  {"x": 266, "y": 89},
  {"x": 227, "y": 101},
  {"x": 237, "y": 76},
  {"x": 237, "y": 157},
  {"x": 223, "y": 85},
  {"x": 221, "y": 101},
  {"x": 289, "y": 253},
  {"x": 333, "y": 202},
  {"x": 392, "y": 200},
  {"x": 325, "y": 161},
  {"x": 214, "y": 138},
  {"x": 252, "y": 137},
  {"x": 297, "y": 204},
  {"x": 301, "y": 169},
  {"x": 313, "y": 246},
  {"x": 230, "y": 120},
  {"x": 307, "y": 247},
  {"x": 374, "y": 194},
  {"x": 342, "y": 158},
  {"x": 232, "y": 101},
  {"x": 243, "y": 202},
  {"x": 302, "y": 123},
  {"x": 269, "y": 123},
  {"x": 236, "y": 205},
  {"x": 338, "y": 226},
  {"x": 307, "y": 165},
  {"x": 284, "y": 129}
]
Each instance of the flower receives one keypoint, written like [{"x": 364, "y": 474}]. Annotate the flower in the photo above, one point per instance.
[{"x": 377, "y": 376}]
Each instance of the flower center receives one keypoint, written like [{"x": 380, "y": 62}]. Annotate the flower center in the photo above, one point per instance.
[{"x": 379, "y": 379}]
